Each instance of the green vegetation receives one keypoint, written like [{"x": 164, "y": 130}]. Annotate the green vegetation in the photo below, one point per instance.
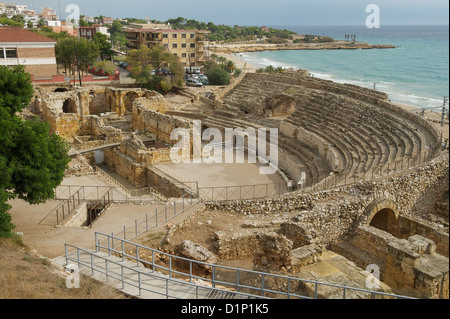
[
  {"x": 219, "y": 69},
  {"x": 104, "y": 46},
  {"x": 223, "y": 33},
  {"x": 230, "y": 34},
  {"x": 118, "y": 36},
  {"x": 68, "y": 50},
  {"x": 15, "y": 21},
  {"x": 270, "y": 70},
  {"x": 106, "y": 66},
  {"x": 314, "y": 39},
  {"x": 32, "y": 161},
  {"x": 156, "y": 68}
]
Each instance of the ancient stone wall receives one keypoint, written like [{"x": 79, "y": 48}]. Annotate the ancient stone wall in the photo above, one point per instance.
[
  {"x": 165, "y": 184},
  {"x": 413, "y": 267},
  {"x": 408, "y": 227},
  {"x": 94, "y": 125},
  {"x": 146, "y": 117},
  {"x": 60, "y": 106}
]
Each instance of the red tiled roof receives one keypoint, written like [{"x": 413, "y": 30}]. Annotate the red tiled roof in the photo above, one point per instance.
[{"x": 14, "y": 34}]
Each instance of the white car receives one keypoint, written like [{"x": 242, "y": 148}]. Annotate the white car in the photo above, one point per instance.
[{"x": 194, "y": 82}]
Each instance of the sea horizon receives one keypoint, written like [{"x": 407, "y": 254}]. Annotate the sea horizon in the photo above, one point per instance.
[{"x": 415, "y": 73}]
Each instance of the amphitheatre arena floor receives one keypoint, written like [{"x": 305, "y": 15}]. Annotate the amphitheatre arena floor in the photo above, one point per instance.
[{"x": 222, "y": 174}]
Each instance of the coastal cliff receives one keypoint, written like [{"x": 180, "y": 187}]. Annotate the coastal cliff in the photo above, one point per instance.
[{"x": 337, "y": 45}]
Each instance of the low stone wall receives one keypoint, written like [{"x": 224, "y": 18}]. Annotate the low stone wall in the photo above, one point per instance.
[
  {"x": 372, "y": 240},
  {"x": 408, "y": 227},
  {"x": 165, "y": 184},
  {"x": 413, "y": 267}
]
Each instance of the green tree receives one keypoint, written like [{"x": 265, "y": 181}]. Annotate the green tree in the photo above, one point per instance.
[
  {"x": 32, "y": 161},
  {"x": 69, "y": 50},
  {"x": 118, "y": 36},
  {"x": 218, "y": 76},
  {"x": 156, "y": 68},
  {"x": 103, "y": 44}
]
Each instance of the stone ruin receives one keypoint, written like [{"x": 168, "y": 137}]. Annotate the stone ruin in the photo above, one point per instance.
[{"x": 368, "y": 174}]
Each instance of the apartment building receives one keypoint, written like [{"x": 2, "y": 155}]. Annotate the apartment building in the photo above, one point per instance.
[
  {"x": 12, "y": 9},
  {"x": 22, "y": 47},
  {"x": 188, "y": 45},
  {"x": 48, "y": 14},
  {"x": 89, "y": 32}
]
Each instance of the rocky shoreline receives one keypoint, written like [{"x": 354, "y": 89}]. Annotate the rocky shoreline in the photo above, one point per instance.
[{"x": 338, "y": 45}]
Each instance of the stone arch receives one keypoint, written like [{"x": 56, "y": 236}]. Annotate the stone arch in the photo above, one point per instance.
[{"x": 383, "y": 214}]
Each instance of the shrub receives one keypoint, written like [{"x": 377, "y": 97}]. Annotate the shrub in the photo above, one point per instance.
[{"x": 218, "y": 76}]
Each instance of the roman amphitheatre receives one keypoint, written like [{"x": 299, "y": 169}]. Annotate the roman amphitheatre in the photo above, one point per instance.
[{"x": 361, "y": 192}]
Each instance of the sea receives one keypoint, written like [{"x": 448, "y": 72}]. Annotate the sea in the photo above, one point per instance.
[{"x": 416, "y": 72}]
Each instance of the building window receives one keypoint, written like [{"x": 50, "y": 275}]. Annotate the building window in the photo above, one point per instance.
[
  {"x": 8, "y": 53},
  {"x": 183, "y": 36},
  {"x": 192, "y": 45},
  {"x": 174, "y": 46},
  {"x": 174, "y": 36},
  {"x": 192, "y": 55},
  {"x": 175, "y": 54},
  {"x": 165, "y": 36},
  {"x": 183, "y": 55},
  {"x": 192, "y": 35},
  {"x": 166, "y": 45},
  {"x": 183, "y": 45}
]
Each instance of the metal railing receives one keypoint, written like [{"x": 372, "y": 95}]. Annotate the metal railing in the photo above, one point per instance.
[
  {"x": 93, "y": 193},
  {"x": 66, "y": 208},
  {"x": 243, "y": 192},
  {"x": 167, "y": 287},
  {"x": 162, "y": 214},
  {"x": 248, "y": 282}
]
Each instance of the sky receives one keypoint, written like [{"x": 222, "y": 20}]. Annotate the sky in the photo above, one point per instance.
[{"x": 260, "y": 12}]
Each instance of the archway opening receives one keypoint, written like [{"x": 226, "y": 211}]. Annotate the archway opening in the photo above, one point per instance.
[
  {"x": 385, "y": 220},
  {"x": 70, "y": 106},
  {"x": 128, "y": 100},
  {"x": 60, "y": 90}
]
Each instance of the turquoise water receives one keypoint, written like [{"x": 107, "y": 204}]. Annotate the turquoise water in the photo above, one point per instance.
[{"x": 416, "y": 72}]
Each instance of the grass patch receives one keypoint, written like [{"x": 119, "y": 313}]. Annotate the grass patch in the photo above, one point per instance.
[
  {"x": 153, "y": 240},
  {"x": 290, "y": 91},
  {"x": 26, "y": 275}
]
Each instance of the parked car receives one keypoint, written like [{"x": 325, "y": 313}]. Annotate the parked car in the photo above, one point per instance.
[
  {"x": 203, "y": 78},
  {"x": 194, "y": 82}
]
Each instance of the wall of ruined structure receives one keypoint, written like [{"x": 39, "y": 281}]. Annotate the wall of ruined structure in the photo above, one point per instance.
[
  {"x": 344, "y": 209},
  {"x": 118, "y": 162},
  {"x": 61, "y": 109},
  {"x": 94, "y": 125},
  {"x": 165, "y": 184},
  {"x": 408, "y": 227},
  {"x": 413, "y": 268},
  {"x": 146, "y": 117}
]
